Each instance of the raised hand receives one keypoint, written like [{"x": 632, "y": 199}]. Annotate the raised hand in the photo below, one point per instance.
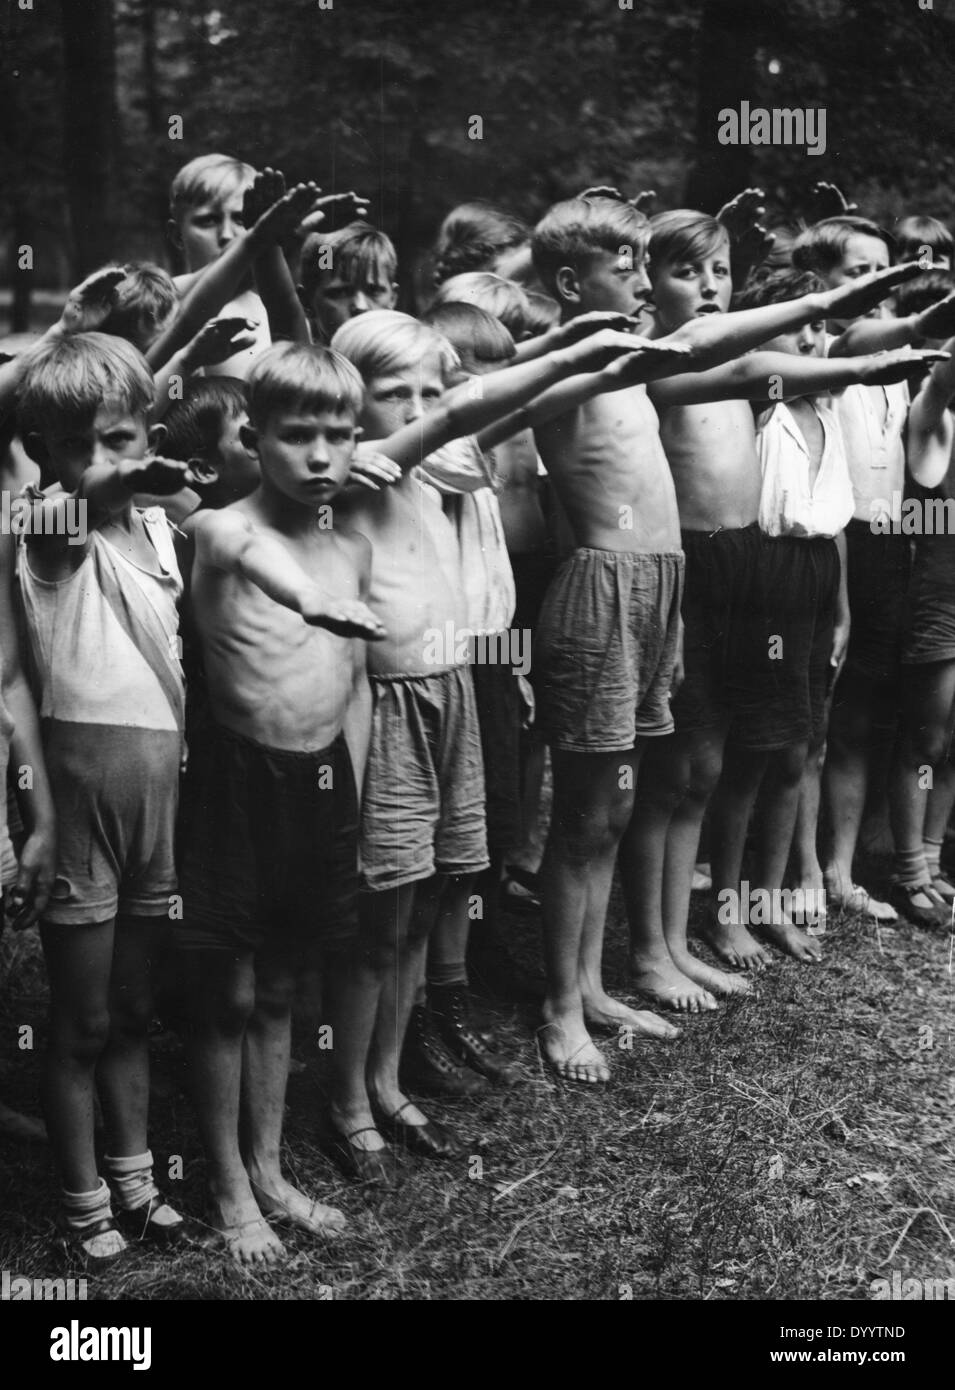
[
  {"x": 266, "y": 188},
  {"x": 280, "y": 219},
  {"x": 584, "y": 324},
  {"x": 860, "y": 296},
  {"x": 828, "y": 200},
  {"x": 158, "y": 476},
  {"x": 91, "y": 302},
  {"x": 374, "y": 471},
  {"x": 344, "y": 617},
  {"x": 643, "y": 202},
  {"x": 219, "y": 339},
  {"x": 648, "y": 361},
  {"x": 346, "y": 206},
  {"x": 887, "y": 368},
  {"x": 598, "y": 350},
  {"x": 742, "y": 212},
  {"x": 938, "y": 321}
]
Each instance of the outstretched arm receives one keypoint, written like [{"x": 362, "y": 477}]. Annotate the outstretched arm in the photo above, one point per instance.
[
  {"x": 783, "y": 376},
  {"x": 475, "y": 404},
  {"x": 719, "y": 337},
  {"x": 930, "y": 425},
  {"x": 872, "y": 335},
  {"x": 230, "y": 542}
]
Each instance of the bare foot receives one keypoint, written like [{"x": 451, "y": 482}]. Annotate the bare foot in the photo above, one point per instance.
[
  {"x": 717, "y": 981},
  {"x": 787, "y": 937},
  {"x": 601, "y": 1011},
  {"x": 570, "y": 1050},
  {"x": 247, "y": 1235},
  {"x": 732, "y": 944},
  {"x": 280, "y": 1200},
  {"x": 13, "y": 1125},
  {"x": 667, "y": 985}
]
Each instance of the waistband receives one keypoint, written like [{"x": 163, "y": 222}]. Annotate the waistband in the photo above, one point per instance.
[{"x": 222, "y": 733}]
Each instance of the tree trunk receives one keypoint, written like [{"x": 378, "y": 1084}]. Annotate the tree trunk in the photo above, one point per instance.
[
  {"x": 729, "y": 38},
  {"x": 89, "y": 127}
]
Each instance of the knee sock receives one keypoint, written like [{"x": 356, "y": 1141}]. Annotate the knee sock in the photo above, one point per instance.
[
  {"x": 132, "y": 1179},
  {"x": 448, "y": 973},
  {"x": 932, "y": 849},
  {"x": 910, "y": 867}
]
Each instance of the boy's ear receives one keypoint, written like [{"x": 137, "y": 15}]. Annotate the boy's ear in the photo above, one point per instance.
[
  {"x": 155, "y": 436},
  {"x": 36, "y": 448},
  {"x": 249, "y": 436},
  {"x": 204, "y": 471},
  {"x": 567, "y": 284}
]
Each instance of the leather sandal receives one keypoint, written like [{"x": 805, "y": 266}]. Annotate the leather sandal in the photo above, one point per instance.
[
  {"x": 377, "y": 1166},
  {"x": 430, "y": 1140}
]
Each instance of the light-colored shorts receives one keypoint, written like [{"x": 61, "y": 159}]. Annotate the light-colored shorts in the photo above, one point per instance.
[
  {"x": 116, "y": 790},
  {"x": 422, "y": 807},
  {"x": 605, "y": 649}
]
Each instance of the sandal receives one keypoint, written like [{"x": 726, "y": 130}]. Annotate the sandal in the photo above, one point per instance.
[
  {"x": 902, "y": 897},
  {"x": 858, "y": 903},
  {"x": 321, "y": 1220},
  {"x": 377, "y": 1166},
  {"x": 141, "y": 1223},
  {"x": 95, "y": 1246}
]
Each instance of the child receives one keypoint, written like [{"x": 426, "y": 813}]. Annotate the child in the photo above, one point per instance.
[
  {"x": 914, "y": 234},
  {"x": 100, "y": 613},
  {"x": 479, "y": 236},
  {"x": 878, "y": 566},
  {"x": 205, "y": 217},
  {"x": 423, "y": 800},
  {"x": 610, "y": 635},
  {"x": 25, "y": 880},
  {"x": 346, "y": 273},
  {"x": 270, "y": 808},
  {"x": 502, "y": 298}
]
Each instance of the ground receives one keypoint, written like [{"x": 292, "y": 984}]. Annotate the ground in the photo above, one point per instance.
[{"x": 795, "y": 1145}]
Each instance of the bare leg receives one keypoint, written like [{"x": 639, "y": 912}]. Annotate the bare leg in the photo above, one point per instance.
[
  {"x": 268, "y": 1038},
  {"x": 731, "y": 809},
  {"x": 354, "y": 994},
  {"x": 222, "y": 987},
  {"x": 531, "y": 851},
  {"x": 808, "y": 870},
  {"x": 845, "y": 780},
  {"x": 779, "y": 806},
  {"x": 78, "y": 962},
  {"x": 122, "y": 1075},
  {"x": 926, "y": 730}
]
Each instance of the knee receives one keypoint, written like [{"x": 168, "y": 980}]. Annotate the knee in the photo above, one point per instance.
[
  {"x": 83, "y": 1035},
  {"x": 273, "y": 999},
  {"x": 592, "y": 833},
  {"x": 228, "y": 1010},
  {"x": 131, "y": 1013}
]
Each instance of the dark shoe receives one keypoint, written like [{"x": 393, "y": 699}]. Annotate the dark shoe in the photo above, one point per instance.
[
  {"x": 377, "y": 1166},
  {"x": 902, "y": 895},
  {"x": 427, "y": 1065},
  {"x": 80, "y": 1247},
  {"x": 431, "y": 1140},
  {"x": 140, "y": 1224},
  {"x": 451, "y": 1010}
]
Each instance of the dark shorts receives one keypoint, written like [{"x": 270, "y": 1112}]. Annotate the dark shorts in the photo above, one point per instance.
[
  {"x": 532, "y": 577},
  {"x": 500, "y": 713},
  {"x": 422, "y": 807},
  {"x": 269, "y": 848},
  {"x": 928, "y": 629},
  {"x": 115, "y": 790},
  {"x": 878, "y": 573},
  {"x": 605, "y": 650},
  {"x": 723, "y": 629}
]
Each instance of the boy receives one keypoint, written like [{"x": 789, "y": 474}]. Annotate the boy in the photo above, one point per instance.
[
  {"x": 423, "y": 802},
  {"x": 205, "y": 218},
  {"x": 610, "y": 628},
  {"x": 345, "y": 273},
  {"x": 269, "y": 828},
  {"x": 100, "y": 611}
]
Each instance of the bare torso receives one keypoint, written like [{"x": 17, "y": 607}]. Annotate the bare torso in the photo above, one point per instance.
[{"x": 712, "y": 455}]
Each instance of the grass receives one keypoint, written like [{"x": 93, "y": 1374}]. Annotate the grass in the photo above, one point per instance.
[{"x": 795, "y": 1145}]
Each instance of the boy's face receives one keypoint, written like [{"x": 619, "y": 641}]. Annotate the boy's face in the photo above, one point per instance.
[
  {"x": 305, "y": 455},
  {"x": 113, "y": 434},
  {"x": 336, "y": 299},
  {"x": 692, "y": 288},
  {"x": 401, "y": 397},
  {"x": 861, "y": 256},
  {"x": 207, "y": 229},
  {"x": 808, "y": 341},
  {"x": 608, "y": 281}
]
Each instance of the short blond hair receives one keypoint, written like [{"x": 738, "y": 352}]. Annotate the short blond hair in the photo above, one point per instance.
[
  {"x": 65, "y": 381},
  {"x": 297, "y": 376},
  {"x": 210, "y": 178},
  {"x": 384, "y": 340}
]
